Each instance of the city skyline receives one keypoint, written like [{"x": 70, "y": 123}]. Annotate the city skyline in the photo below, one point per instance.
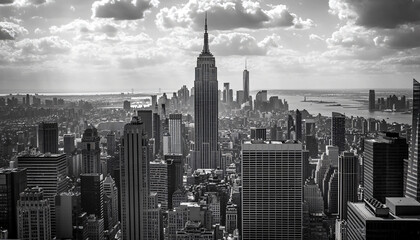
[{"x": 55, "y": 46}]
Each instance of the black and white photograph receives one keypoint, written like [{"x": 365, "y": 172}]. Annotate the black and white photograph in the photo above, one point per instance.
[{"x": 210, "y": 119}]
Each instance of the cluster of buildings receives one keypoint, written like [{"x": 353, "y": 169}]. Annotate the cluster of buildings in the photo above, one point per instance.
[{"x": 391, "y": 103}]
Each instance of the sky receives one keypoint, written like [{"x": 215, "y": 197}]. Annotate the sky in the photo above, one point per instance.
[{"x": 146, "y": 45}]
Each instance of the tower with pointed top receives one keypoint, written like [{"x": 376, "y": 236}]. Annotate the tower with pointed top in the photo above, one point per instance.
[
  {"x": 206, "y": 110},
  {"x": 246, "y": 83}
]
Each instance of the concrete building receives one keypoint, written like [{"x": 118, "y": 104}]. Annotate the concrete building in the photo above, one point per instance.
[
  {"x": 33, "y": 214},
  {"x": 54, "y": 179},
  {"x": 175, "y": 125},
  {"x": 278, "y": 165},
  {"x": 91, "y": 151}
]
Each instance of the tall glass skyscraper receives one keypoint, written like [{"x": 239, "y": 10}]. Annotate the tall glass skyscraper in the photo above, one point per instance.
[
  {"x": 206, "y": 110},
  {"x": 413, "y": 183}
]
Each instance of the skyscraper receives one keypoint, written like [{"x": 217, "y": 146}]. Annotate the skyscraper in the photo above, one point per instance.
[
  {"x": 12, "y": 183},
  {"x": 69, "y": 143},
  {"x": 398, "y": 219},
  {"x": 68, "y": 209},
  {"x": 48, "y": 137},
  {"x": 33, "y": 213},
  {"x": 273, "y": 212},
  {"x": 348, "y": 182},
  {"x": 246, "y": 83},
  {"x": 134, "y": 180},
  {"x": 91, "y": 151},
  {"x": 111, "y": 146},
  {"x": 333, "y": 193},
  {"x": 92, "y": 193},
  {"x": 383, "y": 166},
  {"x": 146, "y": 117},
  {"x": 111, "y": 193},
  {"x": 53, "y": 179},
  {"x": 206, "y": 112},
  {"x": 175, "y": 124},
  {"x": 413, "y": 178},
  {"x": 372, "y": 100},
  {"x": 338, "y": 130},
  {"x": 298, "y": 125}
]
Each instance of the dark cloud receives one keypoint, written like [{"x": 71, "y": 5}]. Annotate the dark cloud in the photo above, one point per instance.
[
  {"x": 9, "y": 30},
  {"x": 378, "y": 13},
  {"x": 6, "y": 1},
  {"x": 227, "y": 15},
  {"x": 5, "y": 35},
  {"x": 122, "y": 9},
  {"x": 37, "y": 2},
  {"x": 402, "y": 38}
]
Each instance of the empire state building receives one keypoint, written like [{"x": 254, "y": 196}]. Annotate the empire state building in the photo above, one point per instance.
[{"x": 206, "y": 154}]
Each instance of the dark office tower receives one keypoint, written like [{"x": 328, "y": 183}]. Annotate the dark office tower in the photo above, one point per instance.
[
  {"x": 413, "y": 178},
  {"x": 372, "y": 100},
  {"x": 134, "y": 180},
  {"x": 34, "y": 215},
  {"x": 91, "y": 151},
  {"x": 28, "y": 101},
  {"x": 111, "y": 145},
  {"x": 48, "y": 171},
  {"x": 178, "y": 163},
  {"x": 398, "y": 219},
  {"x": 274, "y": 212},
  {"x": 146, "y": 117},
  {"x": 312, "y": 146},
  {"x": 384, "y": 166},
  {"x": 348, "y": 183},
  {"x": 206, "y": 111},
  {"x": 338, "y": 131},
  {"x": 290, "y": 127},
  {"x": 92, "y": 191},
  {"x": 69, "y": 143},
  {"x": 156, "y": 131},
  {"x": 246, "y": 84},
  {"x": 127, "y": 105},
  {"x": 48, "y": 137},
  {"x": 12, "y": 183},
  {"x": 298, "y": 126},
  {"x": 259, "y": 134}
]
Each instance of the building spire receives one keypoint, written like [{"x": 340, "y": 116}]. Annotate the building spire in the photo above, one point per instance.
[
  {"x": 246, "y": 65},
  {"x": 206, "y": 37}
]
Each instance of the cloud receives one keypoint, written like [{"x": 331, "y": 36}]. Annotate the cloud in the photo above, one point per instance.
[
  {"x": 52, "y": 45},
  {"x": 228, "y": 15},
  {"x": 122, "y": 9},
  {"x": 6, "y": 1},
  {"x": 315, "y": 37},
  {"x": 377, "y": 13},
  {"x": 86, "y": 27},
  {"x": 404, "y": 37},
  {"x": 9, "y": 31}
]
